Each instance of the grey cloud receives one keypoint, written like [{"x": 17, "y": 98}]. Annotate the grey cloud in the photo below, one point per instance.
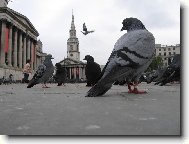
[{"x": 155, "y": 14}]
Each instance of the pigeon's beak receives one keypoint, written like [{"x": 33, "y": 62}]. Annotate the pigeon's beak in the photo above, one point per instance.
[
  {"x": 84, "y": 59},
  {"x": 123, "y": 28},
  {"x": 52, "y": 58}
]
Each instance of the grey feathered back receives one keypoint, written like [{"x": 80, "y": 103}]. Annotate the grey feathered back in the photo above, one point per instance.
[{"x": 44, "y": 72}]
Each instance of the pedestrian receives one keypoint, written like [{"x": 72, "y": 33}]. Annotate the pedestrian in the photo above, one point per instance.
[{"x": 26, "y": 71}]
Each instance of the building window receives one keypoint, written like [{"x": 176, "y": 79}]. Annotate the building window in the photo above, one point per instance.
[
  {"x": 71, "y": 55},
  {"x": 173, "y": 48},
  {"x": 71, "y": 47},
  {"x": 165, "y": 58},
  {"x": 169, "y": 49},
  {"x": 164, "y": 49},
  {"x": 159, "y": 54},
  {"x": 169, "y": 53},
  {"x": 159, "y": 49},
  {"x": 164, "y": 53},
  {"x": 174, "y": 53}
]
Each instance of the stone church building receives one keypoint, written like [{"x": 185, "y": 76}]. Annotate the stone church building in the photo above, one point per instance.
[
  {"x": 75, "y": 67},
  {"x": 18, "y": 42}
]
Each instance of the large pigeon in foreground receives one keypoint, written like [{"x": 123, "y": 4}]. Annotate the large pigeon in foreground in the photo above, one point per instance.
[
  {"x": 44, "y": 73},
  {"x": 131, "y": 56}
]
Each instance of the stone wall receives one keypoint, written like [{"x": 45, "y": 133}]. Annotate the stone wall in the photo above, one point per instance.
[{"x": 17, "y": 73}]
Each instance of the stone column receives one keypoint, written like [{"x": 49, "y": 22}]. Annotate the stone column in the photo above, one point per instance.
[
  {"x": 24, "y": 58},
  {"x": 35, "y": 56},
  {"x": 10, "y": 47},
  {"x": 80, "y": 74},
  {"x": 2, "y": 48},
  {"x": 32, "y": 54},
  {"x": 70, "y": 72},
  {"x": 28, "y": 49},
  {"x": 83, "y": 73},
  {"x": 20, "y": 50},
  {"x": 15, "y": 47},
  {"x": 75, "y": 73}
]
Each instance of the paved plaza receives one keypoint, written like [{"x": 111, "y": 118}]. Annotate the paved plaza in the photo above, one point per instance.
[{"x": 66, "y": 111}]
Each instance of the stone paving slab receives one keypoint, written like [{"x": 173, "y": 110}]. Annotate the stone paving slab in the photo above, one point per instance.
[{"x": 66, "y": 111}]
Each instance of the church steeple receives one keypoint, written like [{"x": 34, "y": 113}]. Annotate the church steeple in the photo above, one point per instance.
[
  {"x": 72, "y": 24},
  {"x": 73, "y": 43},
  {"x": 72, "y": 30}
]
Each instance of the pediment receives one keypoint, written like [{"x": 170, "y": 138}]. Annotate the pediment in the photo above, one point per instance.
[
  {"x": 69, "y": 61},
  {"x": 19, "y": 18},
  {"x": 23, "y": 19}
]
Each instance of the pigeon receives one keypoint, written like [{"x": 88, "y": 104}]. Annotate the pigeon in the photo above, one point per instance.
[
  {"x": 92, "y": 71},
  {"x": 131, "y": 56},
  {"x": 1, "y": 80},
  {"x": 85, "y": 31},
  {"x": 8, "y": 80},
  {"x": 172, "y": 72},
  {"x": 60, "y": 75},
  {"x": 44, "y": 73},
  {"x": 155, "y": 75}
]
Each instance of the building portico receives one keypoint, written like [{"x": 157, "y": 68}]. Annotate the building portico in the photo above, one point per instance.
[{"x": 18, "y": 42}]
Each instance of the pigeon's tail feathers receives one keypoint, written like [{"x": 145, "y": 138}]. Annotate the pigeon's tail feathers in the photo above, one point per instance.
[
  {"x": 98, "y": 90},
  {"x": 32, "y": 83}
]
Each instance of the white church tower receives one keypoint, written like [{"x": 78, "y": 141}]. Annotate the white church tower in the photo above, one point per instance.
[
  {"x": 3, "y": 3},
  {"x": 73, "y": 43}
]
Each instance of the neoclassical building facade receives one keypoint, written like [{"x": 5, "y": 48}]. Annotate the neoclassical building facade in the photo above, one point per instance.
[
  {"x": 167, "y": 51},
  {"x": 18, "y": 42},
  {"x": 75, "y": 67}
]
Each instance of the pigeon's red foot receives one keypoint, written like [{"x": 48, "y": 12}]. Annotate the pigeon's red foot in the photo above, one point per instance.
[
  {"x": 136, "y": 91},
  {"x": 129, "y": 88},
  {"x": 130, "y": 91}
]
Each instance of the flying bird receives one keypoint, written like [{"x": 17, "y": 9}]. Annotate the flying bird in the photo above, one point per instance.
[
  {"x": 85, "y": 31},
  {"x": 60, "y": 75},
  {"x": 131, "y": 56},
  {"x": 44, "y": 73},
  {"x": 92, "y": 71}
]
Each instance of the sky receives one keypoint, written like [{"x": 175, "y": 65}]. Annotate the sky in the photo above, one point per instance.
[{"x": 52, "y": 19}]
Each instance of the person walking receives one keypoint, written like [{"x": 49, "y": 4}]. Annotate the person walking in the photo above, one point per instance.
[{"x": 26, "y": 71}]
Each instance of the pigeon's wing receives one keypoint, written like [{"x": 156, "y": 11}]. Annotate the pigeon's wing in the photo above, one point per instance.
[
  {"x": 40, "y": 71},
  {"x": 131, "y": 51},
  {"x": 85, "y": 32},
  {"x": 91, "y": 31},
  {"x": 84, "y": 27},
  {"x": 38, "y": 74},
  {"x": 131, "y": 55}
]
